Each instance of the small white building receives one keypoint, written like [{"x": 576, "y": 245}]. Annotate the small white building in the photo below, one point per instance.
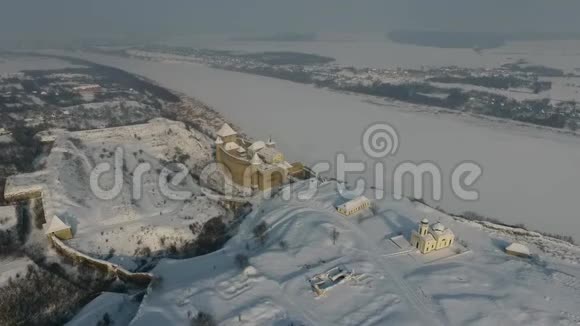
[
  {"x": 353, "y": 206},
  {"x": 518, "y": 249},
  {"x": 91, "y": 88},
  {"x": 59, "y": 228}
]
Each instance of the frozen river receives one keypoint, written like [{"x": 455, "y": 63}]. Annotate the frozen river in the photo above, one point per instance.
[{"x": 530, "y": 176}]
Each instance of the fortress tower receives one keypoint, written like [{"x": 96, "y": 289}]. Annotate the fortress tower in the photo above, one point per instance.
[{"x": 227, "y": 134}]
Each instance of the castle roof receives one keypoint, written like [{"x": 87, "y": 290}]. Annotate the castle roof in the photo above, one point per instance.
[
  {"x": 269, "y": 154},
  {"x": 256, "y": 146},
  {"x": 425, "y": 221},
  {"x": 56, "y": 224},
  {"x": 256, "y": 160},
  {"x": 438, "y": 233},
  {"x": 284, "y": 165},
  {"x": 219, "y": 141},
  {"x": 231, "y": 146},
  {"x": 226, "y": 131}
]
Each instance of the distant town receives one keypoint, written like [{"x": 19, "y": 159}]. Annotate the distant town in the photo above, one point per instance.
[{"x": 516, "y": 90}]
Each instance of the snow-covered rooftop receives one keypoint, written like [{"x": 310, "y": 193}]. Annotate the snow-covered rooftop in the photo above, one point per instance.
[
  {"x": 256, "y": 160},
  {"x": 226, "y": 131},
  {"x": 356, "y": 202},
  {"x": 518, "y": 248},
  {"x": 256, "y": 146},
  {"x": 231, "y": 146},
  {"x": 269, "y": 154},
  {"x": 438, "y": 227},
  {"x": 56, "y": 224}
]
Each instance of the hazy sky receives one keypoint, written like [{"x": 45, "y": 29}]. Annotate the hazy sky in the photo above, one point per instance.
[{"x": 27, "y": 18}]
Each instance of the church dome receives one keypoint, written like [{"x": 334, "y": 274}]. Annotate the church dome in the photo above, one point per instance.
[{"x": 438, "y": 227}]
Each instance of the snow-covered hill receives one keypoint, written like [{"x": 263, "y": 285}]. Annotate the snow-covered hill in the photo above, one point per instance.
[
  {"x": 125, "y": 224},
  {"x": 473, "y": 283}
]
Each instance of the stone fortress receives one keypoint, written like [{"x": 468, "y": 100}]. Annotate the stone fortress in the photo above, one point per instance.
[{"x": 258, "y": 165}]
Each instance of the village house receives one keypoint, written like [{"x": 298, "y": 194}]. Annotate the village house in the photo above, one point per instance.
[
  {"x": 354, "y": 206},
  {"x": 91, "y": 88},
  {"x": 428, "y": 239},
  {"x": 518, "y": 249}
]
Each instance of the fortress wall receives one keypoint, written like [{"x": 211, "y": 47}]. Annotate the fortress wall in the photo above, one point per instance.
[
  {"x": 237, "y": 166},
  {"x": 271, "y": 179},
  {"x": 113, "y": 269},
  {"x": 27, "y": 194}
]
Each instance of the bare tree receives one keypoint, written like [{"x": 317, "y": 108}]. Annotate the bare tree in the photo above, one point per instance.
[
  {"x": 334, "y": 235},
  {"x": 203, "y": 319},
  {"x": 260, "y": 232},
  {"x": 283, "y": 245},
  {"x": 242, "y": 261}
]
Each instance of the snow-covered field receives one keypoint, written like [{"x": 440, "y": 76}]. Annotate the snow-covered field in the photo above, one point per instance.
[
  {"x": 126, "y": 222},
  {"x": 12, "y": 65},
  {"x": 119, "y": 309},
  {"x": 529, "y": 176},
  {"x": 391, "y": 285},
  {"x": 8, "y": 217},
  {"x": 13, "y": 268}
]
